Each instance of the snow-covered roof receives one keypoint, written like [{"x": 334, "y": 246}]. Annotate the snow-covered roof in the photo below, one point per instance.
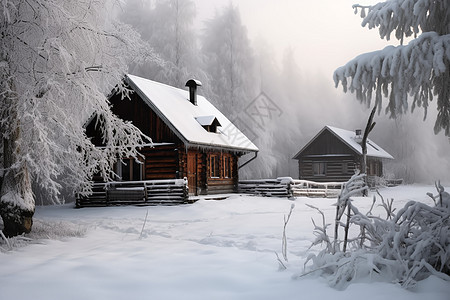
[
  {"x": 349, "y": 138},
  {"x": 185, "y": 119},
  {"x": 207, "y": 120}
]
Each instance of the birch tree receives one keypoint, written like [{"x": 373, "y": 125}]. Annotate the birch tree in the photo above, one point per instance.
[
  {"x": 408, "y": 75},
  {"x": 58, "y": 61}
]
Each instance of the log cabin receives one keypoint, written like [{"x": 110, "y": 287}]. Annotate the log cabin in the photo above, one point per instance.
[
  {"x": 190, "y": 137},
  {"x": 334, "y": 154}
]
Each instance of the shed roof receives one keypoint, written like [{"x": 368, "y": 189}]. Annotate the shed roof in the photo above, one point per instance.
[
  {"x": 348, "y": 137},
  {"x": 172, "y": 105}
]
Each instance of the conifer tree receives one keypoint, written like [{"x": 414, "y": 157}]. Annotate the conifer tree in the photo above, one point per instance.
[{"x": 407, "y": 75}]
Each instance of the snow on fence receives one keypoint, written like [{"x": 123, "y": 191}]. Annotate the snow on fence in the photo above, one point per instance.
[
  {"x": 287, "y": 187},
  {"x": 280, "y": 187},
  {"x": 148, "y": 192},
  {"x": 375, "y": 181},
  {"x": 316, "y": 189}
]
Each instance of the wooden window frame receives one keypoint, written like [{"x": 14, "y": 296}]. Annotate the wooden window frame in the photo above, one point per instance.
[
  {"x": 130, "y": 163},
  {"x": 214, "y": 166},
  {"x": 226, "y": 163},
  {"x": 321, "y": 170}
]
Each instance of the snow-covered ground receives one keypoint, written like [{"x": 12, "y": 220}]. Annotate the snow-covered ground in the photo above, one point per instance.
[{"x": 207, "y": 250}]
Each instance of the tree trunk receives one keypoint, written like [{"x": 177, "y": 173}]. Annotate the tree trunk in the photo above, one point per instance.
[
  {"x": 369, "y": 127},
  {"x": 17, "y": 201}
]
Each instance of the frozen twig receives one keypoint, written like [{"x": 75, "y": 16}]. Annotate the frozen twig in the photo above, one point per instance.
[
  {"x": 6, "y": 239},
  {"x": 282, "y": 265},
  {"x": 284, "y": 239},
  {"x": 143, "y": 225},
  {"x": 405, "y": 247}
]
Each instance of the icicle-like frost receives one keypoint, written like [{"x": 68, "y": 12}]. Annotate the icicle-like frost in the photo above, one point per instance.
[
  {"x": 418, "y": 70},
  {"x": 409, "y": 247},
  {"x": 411, "y": 68}
]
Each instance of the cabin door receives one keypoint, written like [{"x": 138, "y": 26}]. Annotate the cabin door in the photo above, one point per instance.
[{"x": 192, "y": 173}]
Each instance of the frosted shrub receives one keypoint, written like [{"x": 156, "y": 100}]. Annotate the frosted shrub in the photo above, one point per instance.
[
  {"x": 403, "y": 248},
  {"x": 42, "y": 230}
]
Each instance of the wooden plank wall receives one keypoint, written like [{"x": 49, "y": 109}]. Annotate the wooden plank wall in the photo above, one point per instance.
[
  {"x": 335, "y": 169},
  {"x": 143, "y": 117},
  {"x": 161, "y": 162},
  {"x": 221, "y": 184}
]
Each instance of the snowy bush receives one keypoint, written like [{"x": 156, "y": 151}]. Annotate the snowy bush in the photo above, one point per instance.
[
  {"x": 403, "y": 248},
  {"x": 42, "y": 230}
]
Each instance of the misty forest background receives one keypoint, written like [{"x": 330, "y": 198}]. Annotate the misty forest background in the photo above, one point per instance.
[{"x": 235, "y": 69}]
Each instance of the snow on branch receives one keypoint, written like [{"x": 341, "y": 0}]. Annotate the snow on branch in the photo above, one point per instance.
[
  {"x": 406, "y": 17},
  {"x": 419, "y": 70},
  {"x": 59, "y": 60},
  {"x": 403, "y": 248}
]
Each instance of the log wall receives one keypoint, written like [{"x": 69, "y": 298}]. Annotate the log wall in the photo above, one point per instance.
[
  {"x": 144, "y": 118},
  {"x": 336, "y": 168},
  {"x": 161, "y": 162}
]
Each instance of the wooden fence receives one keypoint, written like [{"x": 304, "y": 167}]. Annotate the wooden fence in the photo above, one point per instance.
[
  {"x": 375, "y": 181},
  {"x": 280, "y": 187},
  {"x": 148, "y": 192},
  {"x": 288, "y": 187},
  {"x": 316, "y": 189}
]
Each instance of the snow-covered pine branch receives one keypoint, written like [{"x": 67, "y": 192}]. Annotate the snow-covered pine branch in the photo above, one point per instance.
[
  {"x": 58, "y": 62},
  {"x": 406, "y": 17},
  {"x": 399, "y": 73},
  {"x": 417, "y": 71}
]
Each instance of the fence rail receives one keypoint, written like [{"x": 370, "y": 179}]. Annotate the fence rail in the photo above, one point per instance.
[
  {"x": 280, "y": 187},
  {"x": 316, "y": 189},
  {"x": 287, "y": 187},
  {"x": 147, "y": 192}
]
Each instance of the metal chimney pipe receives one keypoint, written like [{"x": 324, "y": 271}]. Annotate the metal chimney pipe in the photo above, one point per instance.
[{"x": 193, "y": 84}]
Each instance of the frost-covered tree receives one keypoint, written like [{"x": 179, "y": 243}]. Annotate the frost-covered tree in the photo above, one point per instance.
[
  {"x": 229, "y": 61},
  {"x": 168, "y": 25},
  {"x": 415, "y": 72},
  {"x": 58, "y": 61}
]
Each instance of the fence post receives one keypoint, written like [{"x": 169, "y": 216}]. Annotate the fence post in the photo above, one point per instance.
[{"x": 145, "y": 192}]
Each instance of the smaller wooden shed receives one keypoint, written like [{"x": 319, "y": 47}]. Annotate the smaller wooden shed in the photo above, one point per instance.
[{"x": 334, "y": 154}]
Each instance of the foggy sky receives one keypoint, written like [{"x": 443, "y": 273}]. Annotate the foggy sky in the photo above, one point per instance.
[{"x": 322, "y": 36}]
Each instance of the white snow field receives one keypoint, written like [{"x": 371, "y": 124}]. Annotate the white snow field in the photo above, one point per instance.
[{"x": 212, "y": 249}]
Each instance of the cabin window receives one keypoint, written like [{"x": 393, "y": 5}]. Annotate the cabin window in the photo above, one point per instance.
[
  {"x": 129, "y": 170},
  {"x": 319, "y": 168},
  {"x": 347, "y": 168},
  {"x": 210, "y": 128},
  {"x": 226, "y": 166},
  {"x": 374, "y": 168},
  {"x": 214, "y": 166}
]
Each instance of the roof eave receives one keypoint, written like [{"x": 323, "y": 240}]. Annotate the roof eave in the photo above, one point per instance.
[
  {"x": 357, "y": 150},
  {"x": 220, "y": 147},
  {"x": 156, "y": 110},
  {"x": 297, "y": 156}
]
